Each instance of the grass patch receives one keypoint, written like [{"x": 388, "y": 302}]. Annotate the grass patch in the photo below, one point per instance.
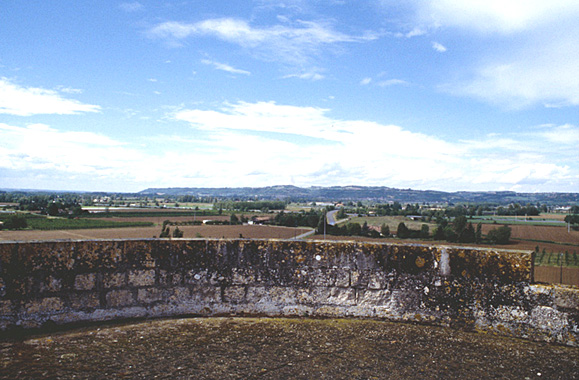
[
  {"x": 511, "y": 220},
  {"x": 40, "y": 222},
  {"x": 79, "y": 224},
  {"x": 141, "y": 214},
  {"x": 391, "y": 221}
]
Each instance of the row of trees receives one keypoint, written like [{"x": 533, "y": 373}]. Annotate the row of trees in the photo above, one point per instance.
[
  {"x": 460, "y": 231},
  {"x": 166, "y": 231},
  {"x": 250, "y": 206},
  {"x": 396, "y": 208},
  {"x": 310, "y": 218},
  {"x": 348, "y": 229},
  {"x": 14, "y": 222}
]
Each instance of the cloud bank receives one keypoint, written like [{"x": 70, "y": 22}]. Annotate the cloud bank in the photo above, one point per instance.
[
  {"x": 532, "y": 54},
  {"x": 292, "y": 44},
  {"x": 27, "y": 101},
  {"x": 264, "y": 143}
]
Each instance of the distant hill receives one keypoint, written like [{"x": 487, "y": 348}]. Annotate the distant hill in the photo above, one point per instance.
[{"x": 360, "y": 193}]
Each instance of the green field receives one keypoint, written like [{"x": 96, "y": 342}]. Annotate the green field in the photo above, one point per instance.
[
  {"x": 43, "y": 223},
  {"x": 158, "y": 213},
  {"x": 520, "y": 220},
  {"x": 391, "y": 221}
]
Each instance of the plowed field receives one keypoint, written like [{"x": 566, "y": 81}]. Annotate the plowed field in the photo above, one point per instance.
[
  {"x": 230, "y": 232},
  {"x": 545, "y": 233}
]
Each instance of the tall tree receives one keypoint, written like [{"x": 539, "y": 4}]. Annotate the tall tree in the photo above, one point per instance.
[
  {"x": 478, "y": 233},
  {"x": 402, "y": 231},
  {"x": 385, "y": 230},
  {"x": 459, "y": 224},
  {"x": 501, "y": 235}
]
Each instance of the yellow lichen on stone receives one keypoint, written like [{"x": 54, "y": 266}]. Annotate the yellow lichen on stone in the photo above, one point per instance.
[{"x": 420, "y": 262}]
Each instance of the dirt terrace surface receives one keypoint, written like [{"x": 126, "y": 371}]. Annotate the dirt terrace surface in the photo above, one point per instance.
[{"x": 265, "y": 348}]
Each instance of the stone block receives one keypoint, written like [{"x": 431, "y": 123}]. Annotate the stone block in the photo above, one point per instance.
[
  {"x": 282, "y": 295},
  {"x": 150, "y": 295},
  {"x": 168, "y": 278},
  {"x": 322, "y": 277},
  {"x": 114, "y": 280},
  {"x": 179, "y": 295},
  {"x": 329, "y": 311},
  {"x": 313, "y": 296},
  {"x": 342, "y": 278},
  {"x": 217, "y": 279},
  {"x": 206, "y": 294},
  {"x": 240, "y": 277},
  {"x": 377, "y": 280},
  {"x": 358, "y": 279},
  {"x": 86, "y": 281},
  {"x": 142, "y": 277},
  {"x": 196, "y": 277},
  {"x": 84, "y": 301},
  {"x": 6, "y": 308},
  {"x": 547, "y": 318},
  {"x": 278, "y": 295},
  {"x": 511, "y": 314},
  {"x": 566, "y": 298},
  {"x": 44, "y": 306},
  {"x": 119, "y": 298},
  {"x": 373, "y": 297},
  {"x": 297, "y": 310},
  {"x": 234, "y": 294},
  {"x": 257, "y": 294},
  {"x": 342, "y": 296},
  {"x": 21, "y": 287},
  {"x": 51, "y": 284}
]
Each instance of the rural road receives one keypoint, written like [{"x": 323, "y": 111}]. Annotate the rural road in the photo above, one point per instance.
[
  {"x": 304, "y": 235},
  {"x": 331, "y": 217}
]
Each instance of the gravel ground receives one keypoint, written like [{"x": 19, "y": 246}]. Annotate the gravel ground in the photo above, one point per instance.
[{"x": 269, "y": 348}]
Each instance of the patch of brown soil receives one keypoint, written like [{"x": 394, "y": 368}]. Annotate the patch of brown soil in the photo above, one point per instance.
[{"x": 228, "y": 232}]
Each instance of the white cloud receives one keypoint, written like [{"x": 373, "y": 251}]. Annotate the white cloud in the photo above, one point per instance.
[
  {"x": 531, "y": 48},
  {"x": 305, "y": 144},
  {"x": 225, "y": 67},
  {"x": 131, "y": 7},
  {"x": 313, "y": 76},
  {"x": 438, "y": 47},
  {"x": 393, "y": 82},
  {"x": 69, "y": 90},
  {"x": 547, "y": 74},
  {"x": 21, "y": 101},
  {"x": 415, "y": 32},
  {"x": 264, "y": 143},
  {"x": 494, "y": 16},
  {"x": 563, "y": 135},
  {"x": 290, "y": 44},
  {"x": 365, "y": 81},
  {"x": 39, "y": 146}
]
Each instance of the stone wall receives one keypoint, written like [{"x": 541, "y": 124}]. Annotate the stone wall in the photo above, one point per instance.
[{"x": 60, "y": 282}]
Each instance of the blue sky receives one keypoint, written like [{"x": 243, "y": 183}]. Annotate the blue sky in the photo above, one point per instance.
[{"x": 425, "y": 94}]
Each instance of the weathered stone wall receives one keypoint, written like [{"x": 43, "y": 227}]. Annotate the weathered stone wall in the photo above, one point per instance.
[{"x": 485, "y": 290}]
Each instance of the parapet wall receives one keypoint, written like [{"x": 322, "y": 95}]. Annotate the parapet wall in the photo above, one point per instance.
[{"x": 485, "y": 290}]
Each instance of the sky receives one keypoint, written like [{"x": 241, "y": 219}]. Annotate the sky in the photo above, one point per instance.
[{"x": 451, "y": 95}]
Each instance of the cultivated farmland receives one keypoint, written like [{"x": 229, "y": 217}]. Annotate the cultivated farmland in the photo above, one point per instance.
[{"x": 205, "y": 231}]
